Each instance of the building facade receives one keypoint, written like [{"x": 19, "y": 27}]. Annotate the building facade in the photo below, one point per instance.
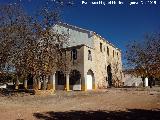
[{"x": 96, "y": 63}]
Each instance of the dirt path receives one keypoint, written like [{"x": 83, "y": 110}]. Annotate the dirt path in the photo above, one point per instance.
[{"x": 101, "y": 104}]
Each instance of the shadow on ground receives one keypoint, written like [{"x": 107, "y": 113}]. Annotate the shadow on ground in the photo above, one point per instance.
[{"x": 131, "y": 114}]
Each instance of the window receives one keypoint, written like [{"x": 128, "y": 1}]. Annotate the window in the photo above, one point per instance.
[
  {"x": 74, "y": 54},
  {"x": 89, "y": 55},
  {"x": 113, "y": 53},
  {"x": 101, "y": 47},
  {"x": 117, "y": 54},
  {"x": 107, "y": 51}
]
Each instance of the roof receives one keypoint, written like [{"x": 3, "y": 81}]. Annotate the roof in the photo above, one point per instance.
[{"x": 86, "y": 31}]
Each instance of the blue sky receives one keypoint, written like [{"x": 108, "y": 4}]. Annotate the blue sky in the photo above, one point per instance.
[{"x": 119, "y": 24}]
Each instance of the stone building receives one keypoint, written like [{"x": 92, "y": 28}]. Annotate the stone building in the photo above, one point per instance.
[{"x": 96, "y": 62}]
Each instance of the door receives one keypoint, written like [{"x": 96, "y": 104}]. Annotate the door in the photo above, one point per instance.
[{"x": 89, "y": 82}]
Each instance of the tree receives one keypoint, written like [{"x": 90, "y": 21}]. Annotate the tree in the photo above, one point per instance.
[
  {"x": 28, "y": 43},
  {"x": 14, "y": 30},
  {"x": 143, "y": 57}
]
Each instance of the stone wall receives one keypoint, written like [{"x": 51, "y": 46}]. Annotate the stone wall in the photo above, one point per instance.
[{"x": 102, "y": 60}]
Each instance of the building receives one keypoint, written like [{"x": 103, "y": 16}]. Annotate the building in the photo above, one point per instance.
[
  {"x": 96, "y": 62},
  {"x": 132, "y": 81}
]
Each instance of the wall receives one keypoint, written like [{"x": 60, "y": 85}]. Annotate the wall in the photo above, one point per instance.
[
  {"x": 130, "y": 80},
  {"x": 76, "y": 36},
  {"x": 102, "y": 60},
  {"x": 78, "y": 64},
  {"x": 89, "y": 65}
]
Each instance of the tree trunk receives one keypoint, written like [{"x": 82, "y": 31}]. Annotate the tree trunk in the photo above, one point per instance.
[
  {"x": 17, "y": 83},
  {"x": 39, "y": 84},
  {"x": 44, "y": 85},
  {"x": 35, "y": 83},
  {"x": 25, "y": 84}
]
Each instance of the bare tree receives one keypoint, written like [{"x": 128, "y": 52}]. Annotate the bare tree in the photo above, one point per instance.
[
  {"x": 144, "y": 57},
  {"x": 29, "y": 44},
  {"x": 14, "y": 30}
]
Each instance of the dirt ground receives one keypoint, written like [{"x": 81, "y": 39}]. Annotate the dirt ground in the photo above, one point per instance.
[{"x": 107, "y": 104}]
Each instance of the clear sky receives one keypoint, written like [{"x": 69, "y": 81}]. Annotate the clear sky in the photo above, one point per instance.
[{"x": 119, "y": 24}]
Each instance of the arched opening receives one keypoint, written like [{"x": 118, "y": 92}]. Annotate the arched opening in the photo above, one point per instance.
[
  {"x": 75, "y": 80},
  {"x": 30, "y": 79},
  {"x": 90, "y": 80},
  {"x": 109, "y": 73},
  {"x": 60, "y": 80}
]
